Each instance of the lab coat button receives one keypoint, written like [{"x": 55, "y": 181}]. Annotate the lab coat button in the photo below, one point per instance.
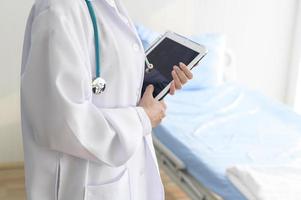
[
  {"x": 136, "y": 47},
  {"x": 89, "y": 195}
]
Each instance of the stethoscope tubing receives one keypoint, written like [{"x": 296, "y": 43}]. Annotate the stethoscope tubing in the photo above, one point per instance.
[
  {"x": 96, "y": 37},
  {"x": 98, "y": 83}
]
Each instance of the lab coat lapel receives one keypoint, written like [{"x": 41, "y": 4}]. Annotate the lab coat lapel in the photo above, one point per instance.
[
  {"x": 130, "y": 24},
  {"x": 133, "y": 31},
  {"x": 132, "y": 28}
]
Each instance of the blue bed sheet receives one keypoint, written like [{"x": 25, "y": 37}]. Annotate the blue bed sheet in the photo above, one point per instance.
[{"x": 215, "y": 128}]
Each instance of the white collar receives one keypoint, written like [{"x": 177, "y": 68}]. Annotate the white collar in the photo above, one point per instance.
[{"x": 112, "y": 3}]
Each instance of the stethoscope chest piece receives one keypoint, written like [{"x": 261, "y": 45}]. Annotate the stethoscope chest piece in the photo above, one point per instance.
[
  {"x": 149, "y": 68},
  {"x": 98, "y": 85}
]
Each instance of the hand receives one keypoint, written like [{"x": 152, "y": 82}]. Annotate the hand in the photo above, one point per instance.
[
  {"x": 180, "y": 76},
  {"x": 153, "y": 108}
]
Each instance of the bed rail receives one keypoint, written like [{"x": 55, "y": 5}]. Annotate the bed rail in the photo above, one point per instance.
[
  {"x": 176, "y": 170},
  {"x": 175, "y": 161}
]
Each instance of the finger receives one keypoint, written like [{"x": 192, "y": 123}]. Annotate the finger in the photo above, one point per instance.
[
  {"x": 149, "y": 91},
  {"x": 176, "y": 79},
  {"x": 172, "y": 88},
  {"x": 163, "y": 104},
  {"x": 162, "y": 115},
  {"x": 187, "y": 71},
  {"x": 181, "y": 75}
]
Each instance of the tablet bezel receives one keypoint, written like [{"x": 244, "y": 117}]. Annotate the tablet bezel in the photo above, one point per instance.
[{"x": 185, "y": 42}]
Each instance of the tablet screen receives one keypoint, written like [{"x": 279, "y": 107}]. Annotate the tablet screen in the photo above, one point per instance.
[{"x": 163, "y": 57}]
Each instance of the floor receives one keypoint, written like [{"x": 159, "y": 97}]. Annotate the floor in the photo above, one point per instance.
[
  {"x": 172, "y": 191},
  {"x": 12, "y": 186}
]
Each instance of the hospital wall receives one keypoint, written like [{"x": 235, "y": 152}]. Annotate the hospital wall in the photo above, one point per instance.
[
  {"x": 259, "y": 32},
  {"x": 12, "y": 22}
]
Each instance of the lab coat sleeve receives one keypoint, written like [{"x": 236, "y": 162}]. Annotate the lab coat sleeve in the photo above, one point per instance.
[{"x": 56, "y": 97}]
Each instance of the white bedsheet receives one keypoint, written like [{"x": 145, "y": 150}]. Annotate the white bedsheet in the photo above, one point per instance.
[{"x": 267, "y": 183}]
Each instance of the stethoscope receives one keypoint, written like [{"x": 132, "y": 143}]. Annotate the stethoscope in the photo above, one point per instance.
[{"x": 98, "y": 83}]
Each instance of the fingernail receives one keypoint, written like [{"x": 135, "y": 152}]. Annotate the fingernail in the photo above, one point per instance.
[{"x": 182, "y": 63}]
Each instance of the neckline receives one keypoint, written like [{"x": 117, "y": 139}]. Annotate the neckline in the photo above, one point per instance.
[
  {"x": 112, "y": 3},
  {"x": 120, "y": 10}
]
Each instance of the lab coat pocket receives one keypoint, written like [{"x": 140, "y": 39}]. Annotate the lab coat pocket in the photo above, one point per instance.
[{"x": 116, "y": 190}]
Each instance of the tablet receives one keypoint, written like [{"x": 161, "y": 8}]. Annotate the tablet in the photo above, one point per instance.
[{"x": 167, "y": 51}]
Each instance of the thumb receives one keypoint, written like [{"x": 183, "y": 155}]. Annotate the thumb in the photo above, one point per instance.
[{"x": 149, "y": 91}]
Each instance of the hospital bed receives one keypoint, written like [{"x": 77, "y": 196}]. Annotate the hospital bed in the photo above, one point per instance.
[
  {"x": 213, "y": 124},
  {"x": 207, "y": 131}
]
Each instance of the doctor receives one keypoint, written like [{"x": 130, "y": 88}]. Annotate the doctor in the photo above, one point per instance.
[{"x": 80, "y": 145}]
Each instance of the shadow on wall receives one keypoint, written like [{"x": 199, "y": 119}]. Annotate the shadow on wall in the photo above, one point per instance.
[{"x": 10, "y": 129}]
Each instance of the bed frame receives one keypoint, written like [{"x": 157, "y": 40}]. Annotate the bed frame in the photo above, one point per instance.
[{"x": 176, "y": 170}]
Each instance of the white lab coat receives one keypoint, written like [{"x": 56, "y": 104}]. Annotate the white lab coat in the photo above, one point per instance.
[{"x": 79, "y": 145}]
